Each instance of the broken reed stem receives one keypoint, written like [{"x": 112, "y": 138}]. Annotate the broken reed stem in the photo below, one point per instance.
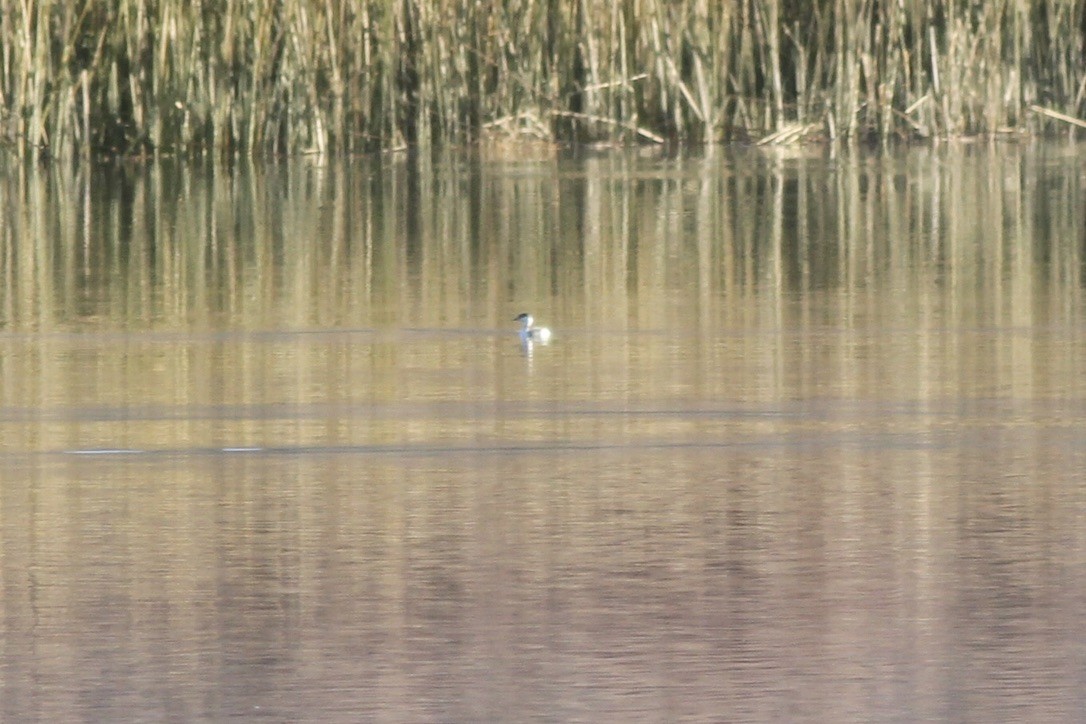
[
  {"x": 344, "y": 76},
  {"x": 643, "y": 132},
  {"x": 1058, "y": 116}
]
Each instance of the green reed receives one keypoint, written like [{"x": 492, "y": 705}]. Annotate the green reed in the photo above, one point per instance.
[{"x": 295, "y": 76}]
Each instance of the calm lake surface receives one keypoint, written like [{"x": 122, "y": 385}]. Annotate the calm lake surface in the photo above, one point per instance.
[{"x": 808, "y": 444}]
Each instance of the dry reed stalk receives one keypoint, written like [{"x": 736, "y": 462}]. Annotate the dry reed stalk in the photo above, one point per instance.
[{"x": 1063, "y": 117}]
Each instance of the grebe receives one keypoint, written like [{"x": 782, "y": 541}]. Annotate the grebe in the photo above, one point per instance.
[{"x": 528, "y": 333}]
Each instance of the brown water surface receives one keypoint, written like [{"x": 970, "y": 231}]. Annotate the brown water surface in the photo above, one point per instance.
[{"x": 807, "y": 445}]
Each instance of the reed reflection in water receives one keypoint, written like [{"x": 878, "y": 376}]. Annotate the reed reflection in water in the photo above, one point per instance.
[{"x": 807, "y": 444}]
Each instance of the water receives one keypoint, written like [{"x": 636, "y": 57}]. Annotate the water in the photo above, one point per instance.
[{"x": 807, "y": 444}]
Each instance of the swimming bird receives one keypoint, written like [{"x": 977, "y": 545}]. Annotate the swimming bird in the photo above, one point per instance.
[{"x": 528, "y": 333}]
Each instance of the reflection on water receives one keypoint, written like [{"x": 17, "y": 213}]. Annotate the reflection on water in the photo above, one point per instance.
[{"x": 806, "y": 445}]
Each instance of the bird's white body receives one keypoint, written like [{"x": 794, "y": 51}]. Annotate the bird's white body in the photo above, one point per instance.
[{"x": 529, "y": 333}]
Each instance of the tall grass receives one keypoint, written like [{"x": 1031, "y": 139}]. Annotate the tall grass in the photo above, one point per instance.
[{"x": 248, "y": 77}]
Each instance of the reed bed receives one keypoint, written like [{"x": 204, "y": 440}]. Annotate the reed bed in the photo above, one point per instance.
[{"x": 343, "y": 76}]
